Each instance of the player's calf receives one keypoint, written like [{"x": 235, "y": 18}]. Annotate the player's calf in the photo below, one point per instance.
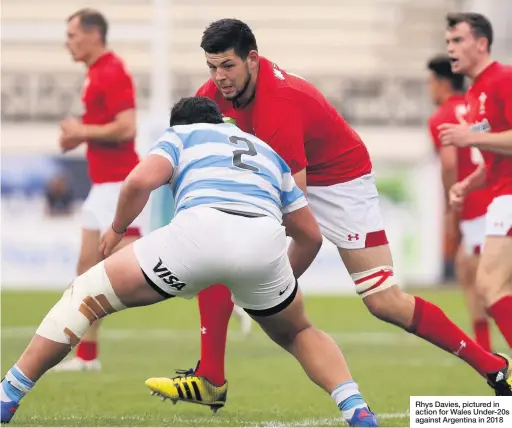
[
  {"x": 494, "y": 282},
  {"x": 90, "y": 297},
  {"x": 320, "y": 357}
]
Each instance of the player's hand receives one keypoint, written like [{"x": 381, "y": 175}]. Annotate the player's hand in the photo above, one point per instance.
[
  {"x": 109, "y": 241},
  {"x": 72, "y": 134},
  {"x": 458, "y": 194},
  {"x": 455, "y": 135},
  {"x": 66, "y": 145}
]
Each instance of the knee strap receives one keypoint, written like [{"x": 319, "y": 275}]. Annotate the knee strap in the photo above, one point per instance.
[
  {"x": 89, "y": 298},
  {"x": 374, "y": 280}
]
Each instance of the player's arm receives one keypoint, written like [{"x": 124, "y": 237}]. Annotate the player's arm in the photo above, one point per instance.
[
  {"x": 459, "y": 191},
  {"x": 119, "y": 98},
  {"x": 447, "y": 158},
  {"x": 300, "y": 225},
  {"x": 122, "y": 128},
  {"x": 499, "y": 142},
  {"x": 151, "y": 173},
  {"x": 300, "y": 180},
  {"x": 477, "y": 179}
]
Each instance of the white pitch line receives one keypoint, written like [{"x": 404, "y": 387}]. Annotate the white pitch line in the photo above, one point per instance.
[
  {"x": 369, "y": 338},
  {"x": 321, "y": 422}
]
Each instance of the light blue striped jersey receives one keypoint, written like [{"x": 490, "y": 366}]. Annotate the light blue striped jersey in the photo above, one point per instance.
[{"x": 219, "y": 165}]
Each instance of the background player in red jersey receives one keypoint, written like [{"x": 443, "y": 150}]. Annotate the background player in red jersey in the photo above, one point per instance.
[
  {"x": 331, "y": 164},
  {"x": 489, "y": 102},
  {"x": 447, "y": 92},
  {"x": 108, "y": 127}
]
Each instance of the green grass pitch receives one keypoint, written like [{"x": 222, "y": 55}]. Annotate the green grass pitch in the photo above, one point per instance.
[{"x": 266, "y": 386}]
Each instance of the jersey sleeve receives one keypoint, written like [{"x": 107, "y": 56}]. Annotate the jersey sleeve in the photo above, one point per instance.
[
  {"x": 119, "y": 90},
  {"x": 434, "y": 133},
  {"x": 283, "y": 130},
  {"x": 168, "y": 146},
  {"x": 506, "y": 93},
  {"x": 292, "y": 198}
]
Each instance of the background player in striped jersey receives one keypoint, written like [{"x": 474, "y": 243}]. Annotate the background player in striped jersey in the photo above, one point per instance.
[
  {"x": 233, "y": 195},
  {"x": 108, "y": 128},
  {"x": 469, "y": 38},
  {"x": 447, "y": 92},
  {"x": 330, "y": 162}
]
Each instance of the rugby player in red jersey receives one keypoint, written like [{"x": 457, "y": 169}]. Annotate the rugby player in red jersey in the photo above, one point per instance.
[
  {"x": 332, "y": 165},
  {"x": 469, "y": 39},
  {"x": 108, "y": 128},
  {"x": 446, "y": 89}
]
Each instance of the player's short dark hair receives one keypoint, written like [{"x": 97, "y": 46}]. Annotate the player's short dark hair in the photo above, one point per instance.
[
  {"x": 91, "y": 19},
  {"x": 195, "y": 110},
  {"x": 441, "y": 66},
  {"x": 479, "y": 24},
  {"x": 226, "y": 34}
]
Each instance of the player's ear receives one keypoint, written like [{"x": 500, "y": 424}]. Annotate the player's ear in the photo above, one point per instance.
[
  {"x": 483, "y": 44},
  {"x": 253, "y": 59}
]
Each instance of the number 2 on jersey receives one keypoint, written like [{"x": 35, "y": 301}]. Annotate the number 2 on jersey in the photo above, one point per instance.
[{"x": 237, "y": 154}]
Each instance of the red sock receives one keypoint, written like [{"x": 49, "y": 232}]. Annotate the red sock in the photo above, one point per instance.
[
  {"x": 482, "y": 334},
  {"x": 87, "y": 351},
  {"x": 501, "y": 311},
  {"x": 215, "y": 307},
  {"x": 430, "y": 323}
]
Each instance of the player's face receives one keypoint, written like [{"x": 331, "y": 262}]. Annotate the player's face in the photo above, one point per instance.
[
  {"x": 463, "y": 48},
  {"x": 434, "y": 88},
  {"x": 78, "y": 42},
  {"x": 230, "y": 73}
]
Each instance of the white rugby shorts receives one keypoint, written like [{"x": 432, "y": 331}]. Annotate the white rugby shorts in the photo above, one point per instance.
[
  {"x": 203, "y": 246},
  {"x": 349, "y": 213},
  {"x": 498, "y": 221},
  {"x": 473, "y": 234},
  {"x": 99, "y": 209}
]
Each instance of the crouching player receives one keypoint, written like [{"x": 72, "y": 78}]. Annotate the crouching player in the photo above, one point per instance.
[{"x": 227, "y": 185}]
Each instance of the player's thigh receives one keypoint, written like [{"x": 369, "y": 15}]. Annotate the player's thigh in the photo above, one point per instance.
[
  {"x": 284, "y": 325},
  {"x": 467, "y": 257},
  {"x": 128, "y": 280},
  {"x": 494, "y": 274},
  {"x": 349, "y": 216}
]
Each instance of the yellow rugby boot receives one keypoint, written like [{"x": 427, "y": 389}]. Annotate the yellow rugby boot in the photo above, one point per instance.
[{"x": 189, "y": 387}]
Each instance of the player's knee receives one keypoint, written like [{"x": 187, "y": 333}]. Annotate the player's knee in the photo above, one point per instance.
[
  {"x": 286, "y": 337},
  {"x": 391, "y": 305},
  {"x": 89, "y": 298},
  {"x": 376, "y": 287},
  {"x": 284, "y": 329},
  {"x": 373, "y": 281},
  {"x": 490, "y": 285}
]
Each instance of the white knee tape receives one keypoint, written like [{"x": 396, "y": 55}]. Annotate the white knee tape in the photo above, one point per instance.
[
  {"x": 374, "y": 280},
  {"x": 88, "y": 298}
]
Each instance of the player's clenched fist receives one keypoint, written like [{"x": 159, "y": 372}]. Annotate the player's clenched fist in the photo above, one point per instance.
[
  {"x": 72, "y": 134},
  {"x": 458, "y": 193}
]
